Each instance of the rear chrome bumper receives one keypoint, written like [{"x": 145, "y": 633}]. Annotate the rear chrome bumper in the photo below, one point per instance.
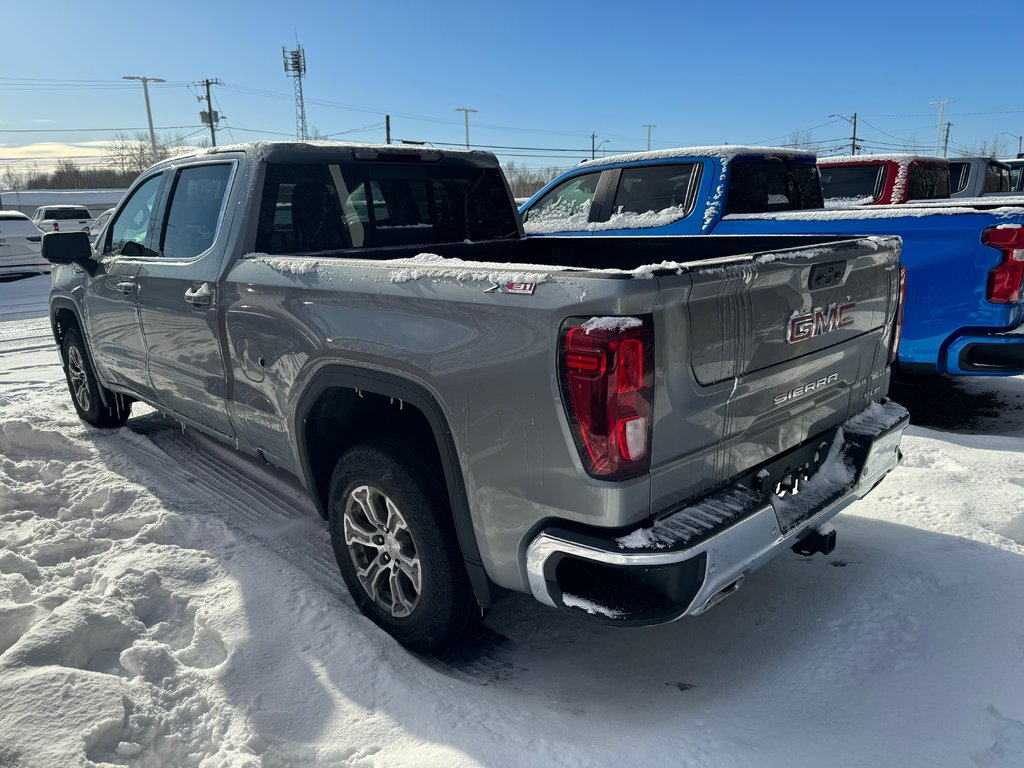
[{"x": 693, "y": 557}]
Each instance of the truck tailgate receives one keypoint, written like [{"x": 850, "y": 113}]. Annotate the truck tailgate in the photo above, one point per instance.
[{"x": 755, "y": 358}]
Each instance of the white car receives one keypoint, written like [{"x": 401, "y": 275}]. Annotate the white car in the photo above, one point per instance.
[
  {"x": 20, "y": 245},
  {"x": 97, "y": 226},
  {"x": 62, "y": 218}
]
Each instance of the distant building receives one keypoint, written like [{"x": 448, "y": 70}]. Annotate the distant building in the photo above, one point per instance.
[{"x": 27, "y": 200}]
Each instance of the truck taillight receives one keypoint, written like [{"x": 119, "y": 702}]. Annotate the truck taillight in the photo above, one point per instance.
[
  {"x": 607, "y": 376},
  {"x": 898, "y": 331},
  {"x": 1004, "y": 279},
  {"x": 56, "y": 226}
]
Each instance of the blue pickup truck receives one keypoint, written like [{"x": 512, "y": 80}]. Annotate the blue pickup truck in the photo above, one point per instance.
[{"x": 965, "y": 265}]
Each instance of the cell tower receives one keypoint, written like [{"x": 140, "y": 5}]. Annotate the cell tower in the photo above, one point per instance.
[{"x": 295, "y": 67}]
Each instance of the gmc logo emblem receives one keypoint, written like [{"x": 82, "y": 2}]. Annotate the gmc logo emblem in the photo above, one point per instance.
[{"x": 805, "y": 325}]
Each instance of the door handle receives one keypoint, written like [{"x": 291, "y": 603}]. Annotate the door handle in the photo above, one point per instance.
[
  {"x": 198, "y": 296},
  {"x": 125, "y": 286}
]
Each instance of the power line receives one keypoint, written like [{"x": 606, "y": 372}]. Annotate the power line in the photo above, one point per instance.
[{"x": 89, "y": 130}]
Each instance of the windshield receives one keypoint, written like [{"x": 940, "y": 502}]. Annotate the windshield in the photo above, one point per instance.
[
  {"x": 766, "y": 185},
  {"x": 857, "y": 184}
]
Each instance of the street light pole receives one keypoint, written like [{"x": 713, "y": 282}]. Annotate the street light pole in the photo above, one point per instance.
[
  {"x": 1020, "y": 142},
  {"x": 149, "y": 112},
  {"x": 648, "y": 126},
  {"x": 466, "y": 112},
  {"x": 942, "y": 108}
]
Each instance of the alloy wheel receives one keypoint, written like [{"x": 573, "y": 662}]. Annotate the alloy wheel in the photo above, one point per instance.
[{"x": 383, "y": 550}]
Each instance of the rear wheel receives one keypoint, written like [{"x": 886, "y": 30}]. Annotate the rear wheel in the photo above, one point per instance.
[
  {"x": 394, "y": 539},
  {"x": 85, "y": 388}
]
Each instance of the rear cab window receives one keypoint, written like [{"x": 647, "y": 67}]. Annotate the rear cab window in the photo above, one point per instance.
[
  {"x": 68, "y": 214},
  {"x": 853, "y": 184},
  {"x": 313, "y": 207},
  {"x": 769, "y": 184}
]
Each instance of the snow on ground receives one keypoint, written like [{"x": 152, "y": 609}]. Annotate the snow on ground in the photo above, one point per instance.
[{"x": 165, "y": 602}]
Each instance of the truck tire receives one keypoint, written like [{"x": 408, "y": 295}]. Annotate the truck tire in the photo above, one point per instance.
[
  {"x": 394, "y": 539},
  {"x": 85, "y": 388}
]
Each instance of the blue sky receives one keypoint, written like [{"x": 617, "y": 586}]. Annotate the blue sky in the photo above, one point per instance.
[{"x": 542, "y": 75}]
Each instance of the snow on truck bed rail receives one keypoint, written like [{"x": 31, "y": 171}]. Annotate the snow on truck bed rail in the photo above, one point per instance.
[{"x": 432, "y": 266}]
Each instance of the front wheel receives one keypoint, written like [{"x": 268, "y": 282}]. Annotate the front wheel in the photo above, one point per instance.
[
  {"x": 395, "y": 542},
  {"x": 85, "y": 388}
]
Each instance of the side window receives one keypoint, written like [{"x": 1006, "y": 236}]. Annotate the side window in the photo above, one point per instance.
[
  {"x": 194, "y": 210},
  {"x": 927, "y": 182},
  {"x": 655, "y": 188},
  {"x": 566, "y": 207},
  {"x": 131, "y": 226}
]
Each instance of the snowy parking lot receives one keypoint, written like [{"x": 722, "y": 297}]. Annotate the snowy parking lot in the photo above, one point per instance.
[{"x": 166, "y": 602}]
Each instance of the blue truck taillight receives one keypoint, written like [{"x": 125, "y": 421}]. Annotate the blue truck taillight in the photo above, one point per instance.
[
  {"x": 606, "y": 368},
  {"x": 1004, "y": 279}
]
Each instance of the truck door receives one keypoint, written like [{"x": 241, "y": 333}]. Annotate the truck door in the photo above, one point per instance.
[
  {"x": 111, "y": 298},
  {"x": 179, "y": 297}
]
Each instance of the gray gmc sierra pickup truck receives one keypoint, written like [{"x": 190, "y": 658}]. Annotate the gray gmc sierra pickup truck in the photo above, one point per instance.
[{"x": 624, "y": 427}]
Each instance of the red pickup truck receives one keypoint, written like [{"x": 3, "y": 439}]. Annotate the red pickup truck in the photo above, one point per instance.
[{"x": 882, "y": 179}]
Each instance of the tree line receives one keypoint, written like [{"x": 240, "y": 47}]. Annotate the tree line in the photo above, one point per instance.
[{"x": 125, "y": 157}]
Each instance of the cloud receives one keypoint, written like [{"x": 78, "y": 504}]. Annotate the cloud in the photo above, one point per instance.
[{"x": 46, "y": 153}]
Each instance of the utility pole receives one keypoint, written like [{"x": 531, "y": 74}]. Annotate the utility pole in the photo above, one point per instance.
[
  {"x": 593, "y": 148},
  {"x": 945, "y": 147},
  {"x": 387, "y": 128},
  {"x": 1020, "y": 142},
  {"x": 942, "y": 107},
  {"x": 466, "y": 111},
  {"x": 210, "y": 117},
  {"x": 852, "y": 120},
  {"x": 648, "y": 126},
  {"x": 149, "y": 112},
  {"x": 295, "y": 67}
]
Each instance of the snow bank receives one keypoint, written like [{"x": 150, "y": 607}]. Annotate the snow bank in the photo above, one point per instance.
[{"x": 166, "y": 602}]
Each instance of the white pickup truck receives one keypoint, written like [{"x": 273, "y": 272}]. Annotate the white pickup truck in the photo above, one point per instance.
[{"x": 62, "y": 218}]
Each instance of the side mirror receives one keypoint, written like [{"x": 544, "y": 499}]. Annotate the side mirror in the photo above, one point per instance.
[{"x": 69, "y": 248}]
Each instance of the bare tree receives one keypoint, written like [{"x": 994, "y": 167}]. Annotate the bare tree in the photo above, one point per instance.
[
  {"x": 800, "y": 139},
  {"x": 12, "y": 178},
  {"x": 131, "y": 155},
  {"x": 526, "y": 181},
  {"x": 67, "y": 175},
  {"x": 985, "y": 148}
]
